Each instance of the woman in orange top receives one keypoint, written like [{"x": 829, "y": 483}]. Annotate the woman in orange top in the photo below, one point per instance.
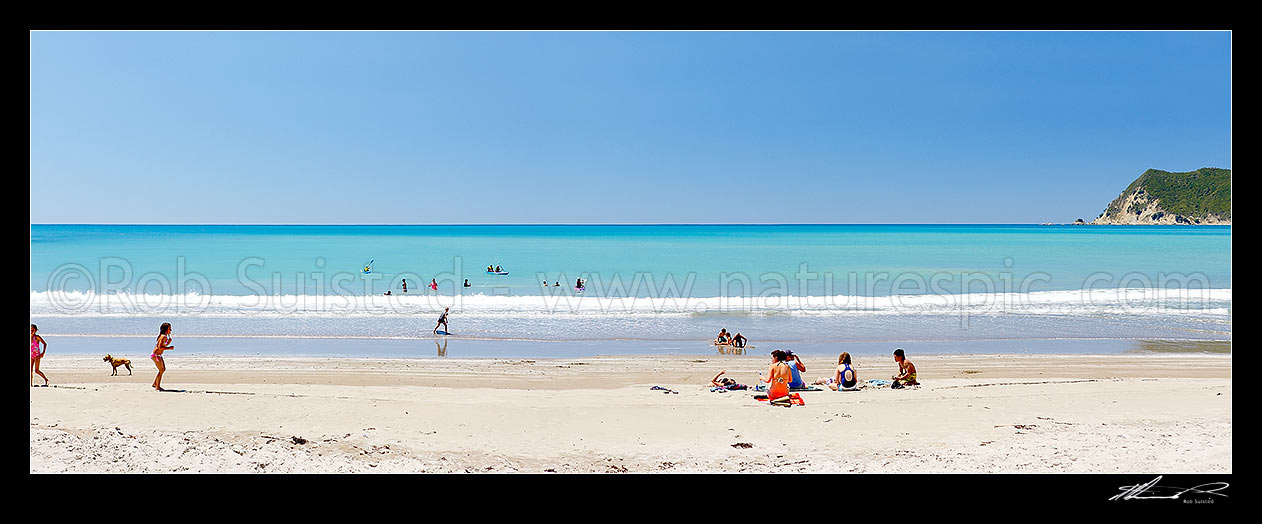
[{"x": 778, "y": 375}]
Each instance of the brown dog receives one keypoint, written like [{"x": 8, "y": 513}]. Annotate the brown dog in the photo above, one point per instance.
[{"x": 118, "y": 362}]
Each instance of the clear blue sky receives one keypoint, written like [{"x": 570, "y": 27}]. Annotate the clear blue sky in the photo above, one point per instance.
[{"x": 615, "y": 127}]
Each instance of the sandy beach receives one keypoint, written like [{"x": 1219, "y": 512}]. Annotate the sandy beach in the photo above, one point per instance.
[{"x": 973, "y": 414}]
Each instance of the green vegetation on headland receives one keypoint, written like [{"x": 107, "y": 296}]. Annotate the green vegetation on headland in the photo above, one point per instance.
[{"x": 1161, "y": 197}]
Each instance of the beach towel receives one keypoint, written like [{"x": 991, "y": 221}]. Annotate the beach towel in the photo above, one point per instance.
[
  {"x": 807, "y": 388},
  {"x": 878, "y": 382},
  {"x": 664, "y": 390},
  {"x": 793, "y": 399}
]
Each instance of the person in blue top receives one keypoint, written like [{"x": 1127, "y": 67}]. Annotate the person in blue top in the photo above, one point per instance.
[{"x": 796, "y": 367}]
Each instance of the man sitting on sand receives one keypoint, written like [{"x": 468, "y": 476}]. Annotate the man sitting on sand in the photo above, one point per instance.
[
  {"x": 906, "y": 371},
  {"x": 723, "y": 337},
  {"x": 796, "y": 367}
]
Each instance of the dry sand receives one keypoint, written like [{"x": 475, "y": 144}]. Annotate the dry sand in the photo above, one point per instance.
[{"x": 1147, "y": 413}]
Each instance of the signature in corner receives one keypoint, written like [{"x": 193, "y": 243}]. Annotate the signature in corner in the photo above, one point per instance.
[{"x": 1151, "y": 490}]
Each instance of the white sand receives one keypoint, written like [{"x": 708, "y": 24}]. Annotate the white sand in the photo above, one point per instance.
[{"x": 1145, "y": 413}]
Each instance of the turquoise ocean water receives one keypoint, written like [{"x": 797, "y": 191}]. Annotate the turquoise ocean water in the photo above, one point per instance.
[{"x": 665, "y": 285}]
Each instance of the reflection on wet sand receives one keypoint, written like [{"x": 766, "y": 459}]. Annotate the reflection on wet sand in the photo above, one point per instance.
[
  {"x": 728, "y": 349},
  {"x": 1183, "y": 346},
  {"x": 442, "y": 347}
]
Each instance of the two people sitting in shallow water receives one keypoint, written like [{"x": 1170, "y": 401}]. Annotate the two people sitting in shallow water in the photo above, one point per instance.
[{"x": 726, "y": 339}]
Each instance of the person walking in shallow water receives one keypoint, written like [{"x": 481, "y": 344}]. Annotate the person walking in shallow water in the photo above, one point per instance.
[
  {"x": 37, "y": 354},
  {"x": 442, "y": 321},
  {"x": 163, "y": 344}
]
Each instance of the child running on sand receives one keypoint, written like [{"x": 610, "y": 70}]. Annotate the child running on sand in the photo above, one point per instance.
[
  {"x": 37, "y": 354},
  {"x": 906, "y": 371},
  {"x": 163, "y": 344}
]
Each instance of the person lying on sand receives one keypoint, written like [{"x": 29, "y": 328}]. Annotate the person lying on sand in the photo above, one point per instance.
[
  {"x": 906, "y": 371},
  {"x": 725, "y": 383}
]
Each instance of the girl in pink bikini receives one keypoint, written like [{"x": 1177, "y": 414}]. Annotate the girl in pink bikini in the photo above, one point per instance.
[
  {"x": 163, "y": 344},
  {"x": 36, "y": 354}
]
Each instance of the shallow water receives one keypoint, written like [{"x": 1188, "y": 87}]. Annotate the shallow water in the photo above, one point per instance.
[{"x": 803, "y": 285}]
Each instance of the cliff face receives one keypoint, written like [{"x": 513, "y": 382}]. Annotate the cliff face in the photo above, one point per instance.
[{"x": 1160, "y": 197}]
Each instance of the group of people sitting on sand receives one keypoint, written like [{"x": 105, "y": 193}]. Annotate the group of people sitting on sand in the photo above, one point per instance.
[
  {"x": 786, "y": 371},
  {"x": 728, "y": 339}
]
